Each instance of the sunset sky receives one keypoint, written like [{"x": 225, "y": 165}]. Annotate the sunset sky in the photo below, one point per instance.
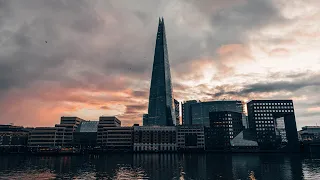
[{"x": 89, "y": 58}]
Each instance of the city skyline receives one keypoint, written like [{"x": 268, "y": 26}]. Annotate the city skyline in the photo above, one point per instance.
[{"x": 98, "y": 61}]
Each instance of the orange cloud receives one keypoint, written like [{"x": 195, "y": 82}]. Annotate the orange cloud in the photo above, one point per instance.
[{"x": 279, "y": 52}]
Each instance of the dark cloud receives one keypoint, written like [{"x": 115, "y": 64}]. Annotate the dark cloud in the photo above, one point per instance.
[
  {"x": 143, "y": 94},
  {"x": 80, "y": 34},
  {"x": 266, "y": 87},
  {"x": 107, "y": 45}
]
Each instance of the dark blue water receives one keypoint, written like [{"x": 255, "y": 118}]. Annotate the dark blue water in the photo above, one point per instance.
[{"x": 160, "y": 166}]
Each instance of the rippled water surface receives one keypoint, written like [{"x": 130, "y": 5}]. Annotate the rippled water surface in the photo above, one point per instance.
[{"x": 160, "y": 166}]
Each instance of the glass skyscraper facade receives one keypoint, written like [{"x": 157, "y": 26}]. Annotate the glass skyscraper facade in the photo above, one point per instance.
[
  {"x": 161, "y": 105},
  {"x": 197, "y": 112}
]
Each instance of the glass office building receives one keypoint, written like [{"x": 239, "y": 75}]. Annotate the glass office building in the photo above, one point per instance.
[{"x": 161, "y": 106}]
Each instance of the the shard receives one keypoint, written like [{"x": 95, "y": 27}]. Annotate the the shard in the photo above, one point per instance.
[{"x": 161, "y": 105}]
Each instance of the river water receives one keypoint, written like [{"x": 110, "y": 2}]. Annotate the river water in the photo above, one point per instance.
[{"x": 160, "y": 166}]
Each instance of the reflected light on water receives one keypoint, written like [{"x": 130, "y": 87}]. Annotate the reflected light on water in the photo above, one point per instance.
[{"x": 160, "y": 166}]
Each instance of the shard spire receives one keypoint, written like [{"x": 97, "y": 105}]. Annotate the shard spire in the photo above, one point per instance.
[{"x": 161, "y": 104}]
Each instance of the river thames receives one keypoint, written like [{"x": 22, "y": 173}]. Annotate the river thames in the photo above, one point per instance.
[{"x": 160, "y": 166}]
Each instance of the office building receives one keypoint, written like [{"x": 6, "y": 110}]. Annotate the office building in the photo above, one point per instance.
[
  {"x": 177, "y": 111},
  {"x": 224, "y": 126},
  {"x": 47, "y": 137},
  {"x": 85, "y": 136},
  {"x": 197, "y": 113},
  {"x": 13, "y": 138},
  {"x": 105, "y": 121},
  {"x": 118, "y": 138},
  {"x": 154, "y": 138},
  {"x": 187, "y": 112},
  {"x": 190, "y": 138},
  {"x": 274, "y": 124},
  {"x": 310, "y": 133},
  {"x": 70, "y": 124},
  {"x": 161, "y": 106}
]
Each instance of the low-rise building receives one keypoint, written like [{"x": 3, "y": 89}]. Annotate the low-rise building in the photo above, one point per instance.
[
  {"x": 46, "y": 137},
  {"x": 70, "y": 124},
  {"x": 190, "y": 138},
  {"x": 13, "y": 138},
  {"x": 310, "y": 133},
  {"x": 154, "y": 138},
  {"x": 118, "y": 138},
  {"x": 104, "y": 122}
]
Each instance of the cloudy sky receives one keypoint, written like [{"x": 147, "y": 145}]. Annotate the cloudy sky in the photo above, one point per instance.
[{"x": 94, "y": 57}]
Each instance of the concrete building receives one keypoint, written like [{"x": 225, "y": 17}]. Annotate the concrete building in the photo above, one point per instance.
[
  {"x": 274, "y": 123},
  {"x": 197, "y": 112},
  {"x": 46, "y": 137},
  {"x": 85, "y": 136},
  {"x": 224, "y": 126},
  {"x": 105, "y": 121},
  {"x": 310, "y": 133},
  {"x": 70, "y": 124},
  {"x": 154, "y": 138},
  {"x": 190, "y": 138},
  {"x": 13, "y": 138},
  {"x": 118, "y": 138}
]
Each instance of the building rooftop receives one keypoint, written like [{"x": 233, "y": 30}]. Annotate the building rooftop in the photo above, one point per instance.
[{"x": 88, "y": 126}]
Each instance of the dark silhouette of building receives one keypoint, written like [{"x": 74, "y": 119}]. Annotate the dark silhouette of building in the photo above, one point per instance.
[
  {"x": 161, "y": 105},
  {"x": 224, "y": 126},
  {"x": 274, "y": 124},
  {"x": 177, "y": 111},
  {"x": 197, "y": 112}
]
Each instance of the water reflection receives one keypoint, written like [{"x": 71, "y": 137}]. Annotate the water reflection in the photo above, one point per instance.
[{"x": 160, "y": 166}]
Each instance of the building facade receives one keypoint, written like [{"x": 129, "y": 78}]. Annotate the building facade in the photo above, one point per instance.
[
  {"x": 70, "y": 124},
  {"x": 104, "y": 122},
  {"x": 197, "y": 112},
  {"x": 85, "y": 136},
  {"x": 177, "y": 111},
  {"x": 154, "y": 138},
  {"x": 13, "y": 138},
  {"x": 161, "y": 106},
  {"x": 224, "y": 126},
  {"x": 187, "y": 112},
  {"x": 190, "y": 138},
  {"x": 274, "y": 124},
  {"x": 46, "y": 137},
  {"x": 118, "y": 138},
  {"x": 310, "y": 133}
]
